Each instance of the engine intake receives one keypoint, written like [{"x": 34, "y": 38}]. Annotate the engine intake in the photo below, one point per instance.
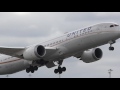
[
  {"x": 34, "y": 53},
  {"x": 92, "y": 55},
  {"x": 39, "y": 51},
  {"x": 98, "y": 53}
]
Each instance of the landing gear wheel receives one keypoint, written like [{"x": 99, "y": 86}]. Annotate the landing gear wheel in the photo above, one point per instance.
[
  {"x": 59, "y": 68},
  {"x": 56, "y": 71},
  {"x": 64, "y": 69},
  {"x": 32, "y": 70},
  {"x": 111, "y": 42},
  {"x": 35, "y": 68},
  {"x": 111, "y": 48},
  {"x": 27, "y": 70},
  {"x": 60, "y": 71}
]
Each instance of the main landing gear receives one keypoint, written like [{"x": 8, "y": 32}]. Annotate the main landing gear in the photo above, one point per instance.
[
  {"x": 32, "y": 69},
  {"x": 60, "y": 69},
  {"x": 111, "y": 48}
]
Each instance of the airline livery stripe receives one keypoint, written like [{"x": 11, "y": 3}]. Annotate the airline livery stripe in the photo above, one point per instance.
[
  {"x": 10, "y": 61},
  {"x": 78, "y": 36}
]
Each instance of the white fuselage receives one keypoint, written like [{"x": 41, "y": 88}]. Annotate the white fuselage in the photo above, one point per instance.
[{"x": 69, "y": 44}]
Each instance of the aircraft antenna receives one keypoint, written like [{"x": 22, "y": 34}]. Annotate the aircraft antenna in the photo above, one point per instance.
[
  {"x": 30, "y": 75},
  {"x": 109, "y": 71},
  {"x": 7, "y": 76},
  {"x": 59, "y": 76}
]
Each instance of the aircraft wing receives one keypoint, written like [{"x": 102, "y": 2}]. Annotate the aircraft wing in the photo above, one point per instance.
[
  {"x": 78, "y": 54},
  {"x": 18, "y": 51},
  {"x": 50, "y": 50},
  {"x": 12, "y": 51}
]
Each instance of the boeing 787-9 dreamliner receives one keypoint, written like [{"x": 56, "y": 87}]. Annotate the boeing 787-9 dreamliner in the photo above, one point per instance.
[{"x": 82, "y": 44}]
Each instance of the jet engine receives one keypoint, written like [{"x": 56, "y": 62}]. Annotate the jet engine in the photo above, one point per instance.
[
  {"x": 92, "y": 55},
  {"x": 34, "y": 53}
]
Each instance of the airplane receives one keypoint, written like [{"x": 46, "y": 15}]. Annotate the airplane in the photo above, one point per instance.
[{"x": 82, "y": 43}]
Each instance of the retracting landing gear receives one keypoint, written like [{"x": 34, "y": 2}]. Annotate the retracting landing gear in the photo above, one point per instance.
[
  {"x": 111, "y": 42},
  {"x": 60, "y": 69},
  {"x": 32, "y": 69}
]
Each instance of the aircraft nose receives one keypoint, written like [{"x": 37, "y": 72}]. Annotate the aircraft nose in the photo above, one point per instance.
[{"x": 118, "y": 29}]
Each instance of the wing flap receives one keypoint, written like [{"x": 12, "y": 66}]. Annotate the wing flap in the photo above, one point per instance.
[
  {"x": 50, "y": 50},
  {"x": 12, "y": 51}
]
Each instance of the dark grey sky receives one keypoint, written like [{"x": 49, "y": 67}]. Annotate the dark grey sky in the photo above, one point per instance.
[{"x": 25, "y": 28}]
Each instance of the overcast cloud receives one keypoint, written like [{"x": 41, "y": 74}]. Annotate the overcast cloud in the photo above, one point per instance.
[{"x": 19, "y": 29}]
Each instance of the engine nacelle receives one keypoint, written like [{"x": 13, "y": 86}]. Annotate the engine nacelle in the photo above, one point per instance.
[
  {"x": 92, "y": 55},
  {"x": 34, "y": 53}
]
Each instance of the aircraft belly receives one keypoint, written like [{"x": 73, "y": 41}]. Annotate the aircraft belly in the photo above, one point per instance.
[{"x": 13, "y": 67}]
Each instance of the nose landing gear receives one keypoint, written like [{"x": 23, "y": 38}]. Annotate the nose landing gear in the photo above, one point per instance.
[
  {"x": 111, "y": 48},
  {"x": 111, "y": 42}
]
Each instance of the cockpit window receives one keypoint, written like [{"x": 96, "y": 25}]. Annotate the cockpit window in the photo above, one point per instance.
[
  {"x": 111, "y": 25},
  {"x": 114, "y": 25}
]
